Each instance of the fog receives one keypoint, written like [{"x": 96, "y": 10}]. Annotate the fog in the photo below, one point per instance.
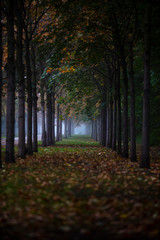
[{"x": 78, "y": 128}]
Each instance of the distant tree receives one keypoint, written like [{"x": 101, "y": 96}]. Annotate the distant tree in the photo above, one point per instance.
[
  {"x": 42, "y": 93},
  {"x": 65, "y": 127},
  {"x": 53, "y": 115},
  {"x": 58, "y": 124},
  {"x": 49, "y": 117}
]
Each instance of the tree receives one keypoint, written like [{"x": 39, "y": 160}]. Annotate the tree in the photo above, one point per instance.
[
  {"x": 21, "y": 82},
  {"x": 1, "y": 56},
  {"x": 35, "y": 98},
  {"x": 9, "y": 156},
  {"x": 49, "y": 117},
  {"x": 145, "y": 156}
]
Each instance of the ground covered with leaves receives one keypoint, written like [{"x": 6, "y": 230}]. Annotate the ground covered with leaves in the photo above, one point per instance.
[{"x": 79, "y": 190}]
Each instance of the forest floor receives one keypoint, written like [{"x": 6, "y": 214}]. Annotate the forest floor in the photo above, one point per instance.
[{"x": 78, "y": 190}]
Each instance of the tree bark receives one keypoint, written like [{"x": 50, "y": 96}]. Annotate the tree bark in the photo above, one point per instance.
[
  {"x": 92, "y": 130},
  {"x": 110, "y": 115},
  {"x": 29, "y": 100},
  {"x": 1, "y": 56},
  {"x": 119, "y": 138},
  {"x": 42, "y": 85},
  {"x": 69, "y": 127},
  {"x": 21, "y": 82},
  {"x": 103, "y": 116},
  {"x": 99, "y": 129},
  {"x": 9, "y": 157},
  {"x": 66, "y": 127},
  {"x": 34, "y": 80},
  {"x": 58, "y": 127},
  {"x": 132, "y": 108},
  {"x": 107, "y": 115},
  {"x": 145, "y": 155},
  {"x": 53, "y": 116},
  {"x": 72, "y": 127},
  {"x": 125, "y": 108},
  {"x": 49, "y": 117},
  {"x": 114, "y": 113}
]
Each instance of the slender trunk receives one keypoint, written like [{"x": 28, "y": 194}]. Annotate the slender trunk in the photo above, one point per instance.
[
  {"x": 34, "y": 77},
  {"x": 114, "y": 114},
  {"x": 44, "y": 144},
  {"x": 69, "y": 127},
  {"x": 125, "y": 109},
  {"x": 132, "y": 108},
  {"x": 103, "y": 126},
  {"x": 99, "y": 128},
  {"x": 92, "y": 130},
  {"x": 72, "y": 127},
  {"x": 103, "y": 117},
  {"x": 145, "y": 157},
  {"x": 58, "y": 127},
  {"x": 96, "y": 129},
  {"x": 110, "y": 115},
  {"x": 53, "y": 116},
  {"x": 9, "y": 157},
  {"x": 66, "y": 127},
  {"x": 42, "y": 85},
  {"x": 119, "y": 147},
  {"x": 49, "y": 118},
  {"x": 1, "y": 55},
  {"x": 107, "y": 117},
  {"x": 29, "y": 100},
  {"x": 21, "y": 82}
]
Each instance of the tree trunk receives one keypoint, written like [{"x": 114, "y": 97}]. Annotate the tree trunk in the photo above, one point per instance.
[
  {"x": 99, "y": 129},
  {"x": 53, "y": 116},
  {"x": 49, "y": 118},
  {"x": 34, "y": 78},
  {"x": 69, "y": 127},
  {"x": 65, "y": 128},
  {"x": 9, "y": 157},
  {"x": 145, "y": 157},
  {"x": 72, "y": 127},
  {"x": 29, "y": 100},
  {"x": 92, "y": 130},
  {"x": 103, "y": 125},
  {"x": 58, "y": 127},
  {"x": 44, "y": 144},
  {"x": 107, "y": 116},
  {"x": 1, "y": 55},
  {"x": 103, "y": 116},
  {"x": 132, "y": 108},
  {"x": 96, "y": 129},
  {"x": 42, "y": 85},
  {"x": 125, "y": 108},
  {"x": 21, "y": 82},
  {"x": 119, "y": 138},
  {"x": 110, "y": 115},
  {"x": 114, "y": 114}
]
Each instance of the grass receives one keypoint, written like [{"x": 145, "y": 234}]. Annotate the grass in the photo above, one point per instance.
[{"x": 78, "y": 140}]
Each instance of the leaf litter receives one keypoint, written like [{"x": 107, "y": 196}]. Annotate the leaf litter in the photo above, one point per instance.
[{"x": 79, "y": 192}]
